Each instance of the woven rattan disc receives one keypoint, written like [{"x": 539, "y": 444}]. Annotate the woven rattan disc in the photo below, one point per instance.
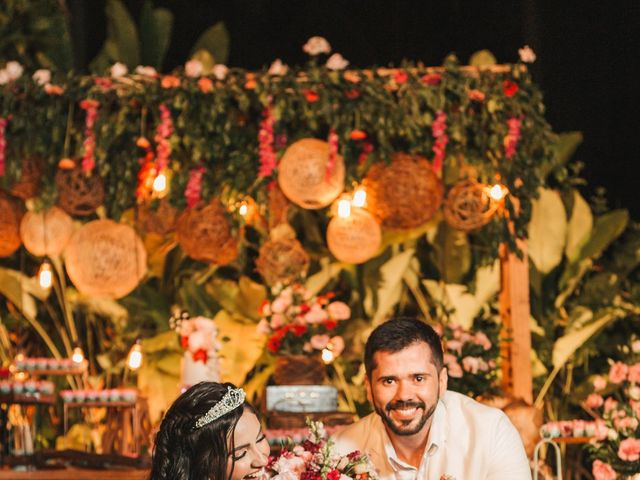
[
  {"x": 106, "y": 259},
  {"x": 278, "y": 207},
  {"x": 354, "y": 239},
  {"x": 161, "y": 221},
  {"x": 404, "y": 194},
  {"x": 79, "y": 194},
  {"x": 302, "y": 174},
  {"x": 10, "y": 215},
  {"x": 28, "y": 185},
  {"x": 282, "y": 261},
  {"x": 468, "y": 206},
  {"x": 204, "y": 233},
  {"x": 46, "y": 233}
]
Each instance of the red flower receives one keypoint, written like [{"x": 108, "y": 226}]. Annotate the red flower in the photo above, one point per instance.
[
  {"x": 304, "y": 308},
  {"x": 352, "y": 94},
  {"x": 299, "y": 330},
  {"x": 309, "y": 446},
  {"x": 334, "y": 474},
  {"x": 205, "y": 85},
  {"x": 311, "y": 95},
  {"x": 401, "y": 77},
  {"x": 510, "y": 88},
  {"x": 200, "y": 355},
  {"x": 355, "y": 455},
  {"x": 432, "y": 79},
  {"x": 184, "y": 342},
  {"x": 265, "y": 303},
  {"x": 273, "y": 343},
  {"x": 330, "y": 324},
  {"x": 308, "y": 475}
]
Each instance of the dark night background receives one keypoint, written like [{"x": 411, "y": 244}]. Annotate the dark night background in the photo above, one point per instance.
[{"x": 587, "y": 54}]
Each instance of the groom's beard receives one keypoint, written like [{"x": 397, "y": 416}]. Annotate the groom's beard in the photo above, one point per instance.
[{"x": 406, "y": 426}]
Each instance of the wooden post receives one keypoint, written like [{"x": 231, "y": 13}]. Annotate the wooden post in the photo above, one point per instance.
[{"x": 516, "y": 334}]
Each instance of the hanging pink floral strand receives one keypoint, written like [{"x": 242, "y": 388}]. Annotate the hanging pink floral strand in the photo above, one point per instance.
[
  {"x": 3, "y": 144},
  {"x": 89, "y": 143},
  {"x": 438, "y": 128},
  {"x": 333, "y": 152},
  {"x": 193, "y": 191},
  {"x": 513, "y": 137},
  {"x": 163, "y": 131},
  {"x": 266, "y": 153}
]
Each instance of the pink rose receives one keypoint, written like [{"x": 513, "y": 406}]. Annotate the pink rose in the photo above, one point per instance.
[
  {"x": 599, "y": 383},
  {"x": 471, "y": 364},
  {"x": 337, "y": 345},
  {"x": 220, "y": 71},
  {"x": 629, "y": 449},
  {"x": 482, "y": 340},
  {"x": 318, "y": 342},
  {"x": 316, "y": 314},
  {"x": 634, "y": 373},
  {"x": 594, "y": 401},
  {"x": 601, "y": 430},
  {"x": 454, "y": 370},
  {"x": 316, "y": 46},
  {"x": 610, "y": 404},
  {"x": 454, "y": 345},
  {"x": 635, "y": 406},
  {"x": 277, "y": 321},
  {"x": 263, "y": 327},
  {"x": 337, "y": 62},
  {"x": 626, "y": 423},
  {"x": 339, "y": 310},
  {"x": 307, "y": 347},
  {"x": 618, "y": 372},
  {"x": 603, "y": 471},
  {"x": 193, "y": 68},
  {"x": 197, "y": 341},
  {"x": 280, "y": 304},
  {"x": 448, "y": 358},
  {"x": 278, "y": 68}
]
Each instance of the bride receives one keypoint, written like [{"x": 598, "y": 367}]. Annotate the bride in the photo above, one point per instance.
[{"x": 211, "y": 433}]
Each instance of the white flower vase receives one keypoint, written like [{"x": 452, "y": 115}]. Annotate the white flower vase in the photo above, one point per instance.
[{"x": 193, "y": 372}]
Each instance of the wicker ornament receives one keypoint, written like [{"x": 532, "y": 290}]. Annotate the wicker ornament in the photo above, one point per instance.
[
  {"x": 468, "y": 206},
  {"x": 106, "y": 259},
  {"x": 204, "y": 234},
  {"x": 79, "y": 194},
  {"x": 299, "y": 370},
  {"x": 29, "y": 183},
  {"x": 302, "y": 174},
  {"x": 10, "y": 216},
  {"x": 354, "y": 239},
  {"x": 162, "y": 221},
  {"x": 46, "y": 233},
  {"x": 278, "y": 207},
  {"x": 282, "y": 261},
  {"x": 404, "y": 194}
]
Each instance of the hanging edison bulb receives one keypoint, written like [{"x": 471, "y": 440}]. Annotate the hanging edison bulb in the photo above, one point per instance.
[
  {"x": 45, "y": 275},
  {"x": 78, "y": 355},
  {"x": 135, "y": 356}
]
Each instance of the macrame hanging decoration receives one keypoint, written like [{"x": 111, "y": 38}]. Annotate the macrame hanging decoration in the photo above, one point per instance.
[
  {"x": 161, "y": 221},
  {"x": 105, "y": 259},
  {"x": 282, "y": 260},
  {"x": 46, "y": 233},
  {"x": 10, "y": 215},
  {"x": 79, "y": 193},
  {"x": 308, "y": 176},
  {"x": 468, "y": 206},
  {"x": 404, "y": 194},
  {"x": 204, "y": 233}
]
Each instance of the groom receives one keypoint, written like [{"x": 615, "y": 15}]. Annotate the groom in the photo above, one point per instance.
[{"x": 421, "y": 431}]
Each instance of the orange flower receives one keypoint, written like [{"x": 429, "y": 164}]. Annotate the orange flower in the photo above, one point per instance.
[
  {"x": 250, "y": 84},
  {"x": 205, "y": 85},
  {"x": 53, "y": 89},
  {"x": 170, "y": 81},
  {"x": 431, "y": 78},
  {"x": 358, "y": 135},
  {"x": 143, "y": 143},
  {"x": 401, "y": 77},
  {"x": 476, "y": 95},
  {"x": 311, "y": 95},
  {"x": 66, "y": 164},
  {"x": 88, "y": 103},
  {"x": 352, "y": 77}
]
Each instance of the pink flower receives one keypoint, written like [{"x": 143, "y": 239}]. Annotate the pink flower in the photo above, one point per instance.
[
  {"x": 618, "y": 372},
  {"x": 594, "y": 401},
  {"x": 277, "y": 321},
  {"x": 316, "y": 314},
  {"x": 454, "y": 370},
  {"x": 603, "y": 471},
  {"x": 193, "y": 68},
  {"x": 629, "y": 449},
  {"x": 42, "y": 76},
  {"x": 316, "y": 46},
  {"x": 197, "y": 341},
  {"x": 610, "y": 404},
  {"x": 454, "y": 345},
  {"x": 471, "y": 364},
  {"x": 337, "y": 345},
  {"x": 146, "y": 71},
  {"x": 527, "y": 55},
  {"x": 601, "y": 430},
  {"x": 280, "y": 304},
  {"x": 204, "y": 324},
  {"x": 118, "y": 70},
  {"x": 337, "y": 62},
  {"x": 599, "y": 383},
  {"x": 626, "y": 423},
  {"x": 278, "y": 68},
  {"x": 634, "y": 373},
  {"x": 339, "y": 310},
  {"x": 220, "y": 71},
  {"x": 318, "y": 342},
  {"x": 263, "y": 327},
  {"x": 482, "y": 340}
]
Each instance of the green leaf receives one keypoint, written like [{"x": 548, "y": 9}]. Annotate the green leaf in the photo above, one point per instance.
[
  {"x": 328, "y": 271},
  {"x": 216, "y": 41},
  {"x": 482, "y": 58},
  {"x": 207, "y": 60},
  {"x": 156, "y": 25},
  {"x": 121, "y": 44},
  {"x": 579, "y": 227},
  {"x": 391, "y": 286},
  {"x": 566, "y": 146},
  {"x": 452, "y": 252},
  {"x": 547, "y": 230}
]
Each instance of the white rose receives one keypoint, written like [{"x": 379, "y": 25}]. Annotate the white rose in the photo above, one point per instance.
[
  {"x": 42, "y": 76},
  {"x": 316, "y": 46},
  {"x": 146, "y": 71},
  {"x": 4, "y": 77},
  {"x": 361, "y": 468},
  {"x": 193, "y": 68},
  {"x": 527, "y": 55},
  {"x": 120, "y": 69},
  {"x": 14, "y": 69},
  {"x": 220, "y": 71},
  {"x": 278, "y": 68},
  {"x": 337, "y": 62}
]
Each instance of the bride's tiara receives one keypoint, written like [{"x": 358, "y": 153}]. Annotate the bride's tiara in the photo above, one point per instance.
[{"x": 230, "y": 401}]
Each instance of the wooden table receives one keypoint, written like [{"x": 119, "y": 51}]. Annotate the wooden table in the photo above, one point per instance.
[{"x": 75, "y": 474}]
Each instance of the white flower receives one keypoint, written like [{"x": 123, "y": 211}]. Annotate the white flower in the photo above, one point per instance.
[
  {"x": 278, "y": 68},
  {"x": 14, "y": 69},
  {"x": 316, "y": 46},
  {"x": 220, "y": 71},
  {"x": 635, "y": 346},
  {"x": 527, "y": 55},
  {"x": 337, "y": 62},
  {"x": 120, "y": 69},
  {"x": 193, "y": 68},
  {"x": 4, "y": 77},
  {"x": 42, "y": 76},
  {"x": 146, "y": 71},
  {"x": 361, "y": 468}
]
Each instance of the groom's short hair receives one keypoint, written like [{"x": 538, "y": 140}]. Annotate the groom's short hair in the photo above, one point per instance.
[{"x": 399, "y": 333}]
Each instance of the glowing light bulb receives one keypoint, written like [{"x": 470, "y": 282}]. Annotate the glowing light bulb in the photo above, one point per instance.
[
  {"x": 244, "y": 208},
  {"x": 359, "y": 198},
  {"x": 497, "y": 192},
  {"x": 135, "y": 357},
  {"x": 160, "y": 183},
  {"x": 344, "y": 209},
  {"x": 45, "y": 275},
  {"x": 78, "y": 355},
  {"x": 327, "y": 356}
]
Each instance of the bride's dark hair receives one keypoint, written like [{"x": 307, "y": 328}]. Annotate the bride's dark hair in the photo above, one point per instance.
[{"x": 183, "y": 452}]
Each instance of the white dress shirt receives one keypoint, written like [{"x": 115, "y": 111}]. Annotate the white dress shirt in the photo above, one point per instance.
[{"x": 467, "y": 441}]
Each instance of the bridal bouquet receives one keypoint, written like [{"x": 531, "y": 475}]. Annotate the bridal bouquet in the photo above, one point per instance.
[
  {"x": 198, "y": 336},
  {"x": 314, "y": 459}
]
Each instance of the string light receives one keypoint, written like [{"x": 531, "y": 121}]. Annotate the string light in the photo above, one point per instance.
[
  {"x": 359, "y": 197},
  {"x": 244, "y": 209},
  {"x": 135, "y": 356},
  {"x": 327, "y": 356},
  {"x": 160, "y": 183},
  {"x": 78, "y": 355},
  {"x": 497, "y": 192},
  {"x": 344, "y": 208},
  {"x": 45, "y": 275}
]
